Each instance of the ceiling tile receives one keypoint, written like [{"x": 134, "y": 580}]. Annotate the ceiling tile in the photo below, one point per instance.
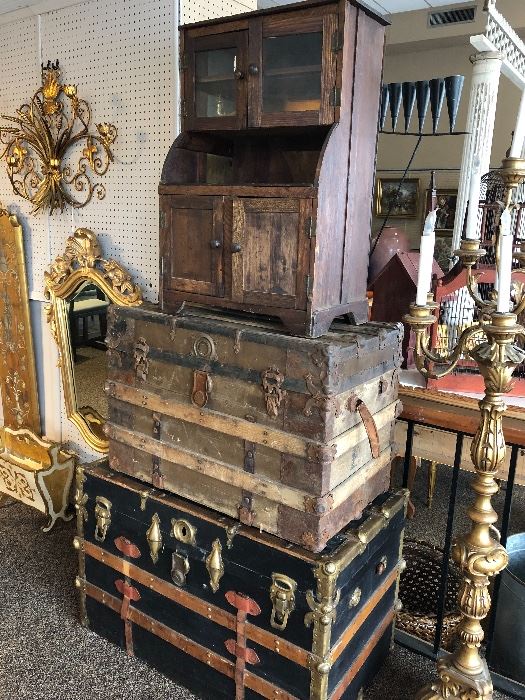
[
  {"x": 439, "y": 3},
  {"x": 11, "y": 5},
  {"x": 403, "y": 5}
]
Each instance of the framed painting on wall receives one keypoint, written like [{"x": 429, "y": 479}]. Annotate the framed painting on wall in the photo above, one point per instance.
[
  {"x": 446, "y": 211},
  {"x": 400, "y": 200}
]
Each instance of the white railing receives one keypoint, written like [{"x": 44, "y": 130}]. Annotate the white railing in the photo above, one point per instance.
[{"x": 502, "y": 37}]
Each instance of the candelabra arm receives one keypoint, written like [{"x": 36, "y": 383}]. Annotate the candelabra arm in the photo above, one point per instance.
[
  {"x": 485, "y": 307},
  {"x": 423, "y": 355},
  {"x": 519, "y": 309}
]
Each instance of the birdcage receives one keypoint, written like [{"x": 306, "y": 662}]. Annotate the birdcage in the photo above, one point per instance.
[{"x": 456, "y": 309}]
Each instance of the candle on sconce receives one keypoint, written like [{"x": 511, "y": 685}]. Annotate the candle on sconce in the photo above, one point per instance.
[
  {"x": 519, "y": 132},
  {"x": 426, "y": 258},
  {"x": 471, "y": 229},
  {"x": 505, "y": 262}
]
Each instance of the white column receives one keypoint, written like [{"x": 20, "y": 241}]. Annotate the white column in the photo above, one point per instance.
[
  {"x": 486, "y": 73},
  {"x": 516, "y": 150}
]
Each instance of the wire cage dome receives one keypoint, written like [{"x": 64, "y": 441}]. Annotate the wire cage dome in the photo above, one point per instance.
[{"x": 456, "y": 309}]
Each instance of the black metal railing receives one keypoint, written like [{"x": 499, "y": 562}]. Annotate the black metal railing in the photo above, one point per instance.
[{"x": 433, "y": 650}]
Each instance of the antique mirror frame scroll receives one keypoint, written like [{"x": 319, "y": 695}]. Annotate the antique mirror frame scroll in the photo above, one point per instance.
[{"x": 82, "y": 262}]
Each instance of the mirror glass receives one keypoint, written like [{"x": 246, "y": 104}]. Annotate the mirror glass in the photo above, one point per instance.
[{"x": 87, "y": 311}]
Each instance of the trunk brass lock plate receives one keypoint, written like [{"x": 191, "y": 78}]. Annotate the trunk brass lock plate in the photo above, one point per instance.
[
  {"x": 183, "y": 531},
  {"x": 282, "y": 595}
]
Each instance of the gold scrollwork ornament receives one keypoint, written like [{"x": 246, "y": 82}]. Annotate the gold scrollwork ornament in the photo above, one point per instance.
[{"x": 46, "y": 130}]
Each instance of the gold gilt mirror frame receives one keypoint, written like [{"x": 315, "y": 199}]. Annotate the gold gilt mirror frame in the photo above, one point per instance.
[{"x": 81, "y": 263}]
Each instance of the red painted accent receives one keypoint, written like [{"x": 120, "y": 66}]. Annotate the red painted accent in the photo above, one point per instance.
[
  {"x": 243, "y": 603},
  {"x": 128, "y": 593},
  {"x": 247, "y": 655},
  {"x": 126, "y": 590},
  {"x": 127, "y": 548}
]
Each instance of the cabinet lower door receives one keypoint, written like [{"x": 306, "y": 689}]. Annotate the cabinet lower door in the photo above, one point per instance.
[
  {"x": 270, "y": 251},
  {"x": 192, "y": 244}
]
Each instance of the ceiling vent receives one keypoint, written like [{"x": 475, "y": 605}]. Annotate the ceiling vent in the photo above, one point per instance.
[{"x": 457, "y": 16}]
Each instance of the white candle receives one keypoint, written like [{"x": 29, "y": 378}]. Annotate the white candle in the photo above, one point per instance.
[
  {"x": 519, "y": 131},
  {"x": 471, "y": 230},
  {"x": 505, "y": 262},
  {"x": 426, "y": 258}
]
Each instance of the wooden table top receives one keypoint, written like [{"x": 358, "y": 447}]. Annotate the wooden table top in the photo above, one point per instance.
[{"x": 455, "y": 412}]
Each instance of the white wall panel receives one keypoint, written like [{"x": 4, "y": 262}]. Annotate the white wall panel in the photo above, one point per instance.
[
  {"x": 19, "y": 78},
  {"x": 120, "y": 56}
]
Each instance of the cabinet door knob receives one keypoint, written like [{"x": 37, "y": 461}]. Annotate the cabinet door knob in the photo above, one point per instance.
[
  {"x": 215, "y": 243},
  {"x": 236, "y": 248},
  {"x": 253, "y": 69},
  {"x": 238, "y": 74}
]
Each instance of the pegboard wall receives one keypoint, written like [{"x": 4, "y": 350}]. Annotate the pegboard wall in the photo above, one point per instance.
[
  {"x": 122, "y": 56},
  {"x": 200, "y": 10}
]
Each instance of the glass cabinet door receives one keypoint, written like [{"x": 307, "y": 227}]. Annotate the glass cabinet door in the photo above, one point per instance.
[
  {"x": 297, "y": 72},
  {"x": 216, "y": 82},
  {"x": 292, "y": 73}
]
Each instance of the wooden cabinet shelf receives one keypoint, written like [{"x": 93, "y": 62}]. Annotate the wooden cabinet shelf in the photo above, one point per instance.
[
  {"x": 288, "y": 72},
  {"x": 215, "y": 79},
  {"x": 267, "y": 208}
]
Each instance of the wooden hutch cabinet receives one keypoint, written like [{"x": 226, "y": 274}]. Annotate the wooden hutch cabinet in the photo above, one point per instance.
[{"x": 265, "y": 196}]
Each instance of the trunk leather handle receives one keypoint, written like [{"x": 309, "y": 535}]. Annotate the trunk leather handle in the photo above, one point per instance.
[{"x": 355, "y": 404}]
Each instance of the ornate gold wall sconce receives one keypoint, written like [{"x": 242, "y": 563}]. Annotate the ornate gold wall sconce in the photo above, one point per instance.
[{"x": 46, "y": 132}]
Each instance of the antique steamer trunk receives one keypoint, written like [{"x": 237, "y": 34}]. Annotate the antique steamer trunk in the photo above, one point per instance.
[
  {"x": 288, "y": 434},
  {"x": 230, "y": 612}
]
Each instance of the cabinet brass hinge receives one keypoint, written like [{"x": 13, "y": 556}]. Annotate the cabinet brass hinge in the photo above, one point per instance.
[
  {"x": 337, "y": 41},
  {"x": 308, "y": 284},
  {"x": 309, "y": 226},
  {"x": 335, "y": 97}
]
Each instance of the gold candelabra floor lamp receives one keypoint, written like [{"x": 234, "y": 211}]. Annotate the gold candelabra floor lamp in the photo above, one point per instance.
[{"x": 491, "y": 343}]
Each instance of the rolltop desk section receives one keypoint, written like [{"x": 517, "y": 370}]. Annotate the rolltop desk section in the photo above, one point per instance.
[{"x": 265, "y": 196}]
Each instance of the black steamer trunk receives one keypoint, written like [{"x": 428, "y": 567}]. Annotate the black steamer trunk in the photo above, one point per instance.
[{"x": 230, "y": 612}]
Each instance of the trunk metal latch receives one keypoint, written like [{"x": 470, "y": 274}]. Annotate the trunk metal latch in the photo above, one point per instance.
[
  {"x": 102, "y": 517},
  {"x": 282, "y": 595},
  {"x": 180, "y": 567}
]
